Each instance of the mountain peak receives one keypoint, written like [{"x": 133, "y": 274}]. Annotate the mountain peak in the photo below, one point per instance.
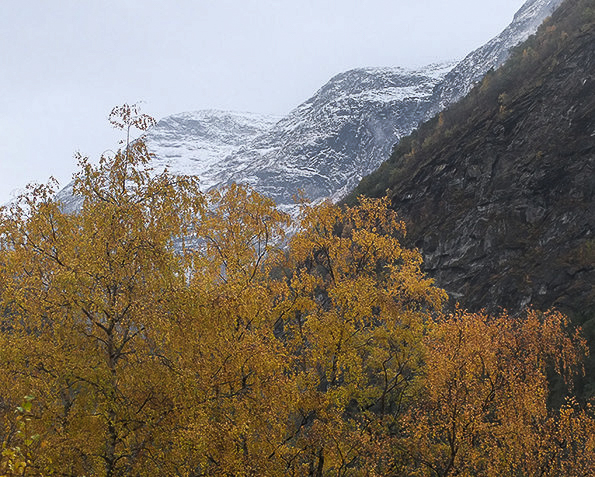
[
  {"x": 342, "y": 133},
  {"x": 329, "y": 142}
]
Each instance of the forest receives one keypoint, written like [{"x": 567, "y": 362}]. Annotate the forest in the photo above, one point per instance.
[{"x": 161, "y": 330}]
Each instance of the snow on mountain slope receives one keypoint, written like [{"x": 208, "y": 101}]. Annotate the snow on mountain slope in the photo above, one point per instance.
[
  {"x": 323, "y": 147},
  {"x": 194, "y": 143},
  {"x": 197, "y": 143},
  {"x": 494, "y": 53},
  {"x": 328, "y": 143}
]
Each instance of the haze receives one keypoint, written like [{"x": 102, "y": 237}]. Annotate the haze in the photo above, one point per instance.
[{"x": 65, "y": 64}]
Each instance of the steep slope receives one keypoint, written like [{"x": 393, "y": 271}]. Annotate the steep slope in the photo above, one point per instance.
[
  {"x": 476, "y": 64},
  {"x": 328, "y": 143},
  {"x": 323, "y": 147},
  {"x": 498, "y": 190}
]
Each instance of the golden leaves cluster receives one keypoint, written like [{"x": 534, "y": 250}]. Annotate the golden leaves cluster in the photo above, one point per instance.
[{"x": 484, "y": 405}]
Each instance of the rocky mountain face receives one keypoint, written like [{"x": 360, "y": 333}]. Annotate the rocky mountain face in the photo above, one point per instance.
[
  {"x": 344, "y": 132},
  {"x": 498, "y": 190},
  {"x": 326, "y": 145}
]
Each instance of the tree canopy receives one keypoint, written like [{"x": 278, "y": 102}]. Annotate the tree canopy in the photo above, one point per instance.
[{"x": 160, "y": 330}]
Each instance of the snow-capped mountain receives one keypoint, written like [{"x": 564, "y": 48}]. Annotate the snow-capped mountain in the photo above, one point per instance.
[
  {"x": 198, "y": 142},
  {"x": 195, "y": 143},
  {"x": 494, "y": 53},
  {"x": 328, "y": 143},
  {"x": 344, "y": 132}
]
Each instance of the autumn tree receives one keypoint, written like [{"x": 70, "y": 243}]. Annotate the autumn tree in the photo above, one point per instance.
[
  {"x": 85, "y": 298},
  {"x": 286, "y": 352},
  {"x": 158, "y": 330},
  {"x": 356, "y": 312},
  {"x": 235, "y": 387},
  {"x": 483, "y": 408}
]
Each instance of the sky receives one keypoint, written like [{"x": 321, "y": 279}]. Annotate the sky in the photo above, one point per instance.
[{"x": 64, "y": 64}]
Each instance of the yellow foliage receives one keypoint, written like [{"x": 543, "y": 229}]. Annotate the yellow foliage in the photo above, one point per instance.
[
  {"x": 484, "y": 410},
  {"x": 164, "y": 331}
]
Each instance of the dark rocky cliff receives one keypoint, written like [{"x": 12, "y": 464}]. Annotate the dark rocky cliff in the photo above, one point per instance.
[{"x": 498, "y": 190}]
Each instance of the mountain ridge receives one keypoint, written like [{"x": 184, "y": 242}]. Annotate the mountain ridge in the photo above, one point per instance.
[
  {"x": 293, "y": 152},
  {"x": 326, "y": 144},
  {"x": 459, "y": 81},
  {"x": 347, "y": 128}
]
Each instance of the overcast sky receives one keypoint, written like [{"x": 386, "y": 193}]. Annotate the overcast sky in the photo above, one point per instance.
[{"x": 65, "y": 64}]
